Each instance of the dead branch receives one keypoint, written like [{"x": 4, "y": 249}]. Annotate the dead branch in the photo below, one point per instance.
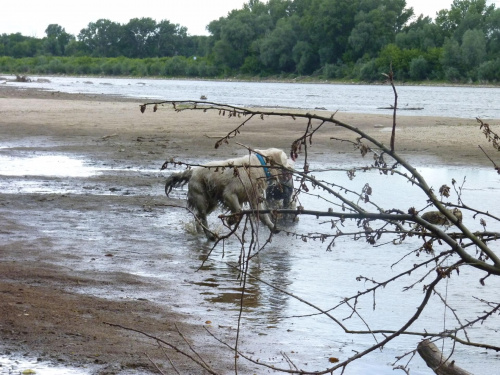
[
  {"x": 390, "y": 78},
  {"x": 435, "y": 360}
]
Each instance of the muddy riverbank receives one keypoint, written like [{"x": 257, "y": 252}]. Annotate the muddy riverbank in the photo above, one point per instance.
[{"x": 63, "y": 237}]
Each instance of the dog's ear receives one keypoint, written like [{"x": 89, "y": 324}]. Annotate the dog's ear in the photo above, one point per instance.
[
  {"x": 276, "y": 155},
  {"x": 279, "y": 157},
  {"x": 284, "y": 160}
]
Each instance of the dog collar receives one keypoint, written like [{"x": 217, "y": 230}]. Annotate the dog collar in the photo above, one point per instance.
[{"x": 263, "y": 163}]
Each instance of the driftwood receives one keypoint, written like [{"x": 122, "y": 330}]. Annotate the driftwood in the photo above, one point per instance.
[
  {"x": 22, "y": 78},
  {"x": 434, "y": 359},
  {"x": 403, "y": 108}
]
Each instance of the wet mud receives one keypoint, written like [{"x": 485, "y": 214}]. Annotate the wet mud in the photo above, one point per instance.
[{"x": 84, "y": 242}]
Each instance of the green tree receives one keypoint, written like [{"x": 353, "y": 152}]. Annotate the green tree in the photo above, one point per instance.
[
  {"x": 21, "y": 49},
  {"x": 464, "y": 15},
  {"x": 171, "y": 40},
  {"x": 493, "y": 34},
  {"x": 176, "y": 66},
  {"x": 18, "y": 45},
  {"x": 252, "y": 65},
  {"x": 102, "y": 38},
  {"x": 327, "y": 24},
  {"x": 489, "y": 71},
  {"x": 473, "y": 49},
  {"x": 369, "y": 71},
  {"x": 422, "y": 34},
  {"x": 276, "y": 50},
  {"x": 138, "y": 39},
  {"x": 392, "y": 55},
  {"x": 235, "y": 35},
  {"x": 224, "y": 56},
  {"x": 304, "y": 57},
  {"x": 196, "y": 45},
  {"x": 57, "y": 40},
  {"x": 451, "y": 60},
  {"x": 451, "y": 56},
  {"x": 278, "y": 9},
  {"x": 433, "y": 58},
  {"x": 419, "y": 69},
  {"x": 75, "y": 48},
  {"x": 376, "y": 25}
]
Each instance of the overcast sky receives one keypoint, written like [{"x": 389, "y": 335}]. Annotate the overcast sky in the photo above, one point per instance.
[{"x": 31, "y": 17}]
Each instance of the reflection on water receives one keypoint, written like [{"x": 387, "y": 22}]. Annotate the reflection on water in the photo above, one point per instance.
[
  {"x": 44, "y": 165},
  {"x": 224, "y": 284},
  {"x": 54, "y": 166},
  {"x": 60, "y": 174}
]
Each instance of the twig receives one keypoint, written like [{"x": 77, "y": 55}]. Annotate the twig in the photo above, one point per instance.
[
  {"x": 494, "y": 164},
  {"x": 155, "y": 365},
  {"x": 177, "y": 349},
  {"x": 190, "y": 346},
  {"x": 168, "y": 358}
]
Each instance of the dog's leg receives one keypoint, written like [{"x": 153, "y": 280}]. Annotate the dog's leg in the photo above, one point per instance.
[
  {"x": 232, "y": 202},
  {"x": 203, "y": 219},
  {"x": 200, "y": 203},
  {"x": 266, "y": 219},
  {"x": 287, "y": 193}
]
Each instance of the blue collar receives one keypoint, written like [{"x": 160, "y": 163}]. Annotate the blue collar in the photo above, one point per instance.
[{"x": 263, "y": 163}]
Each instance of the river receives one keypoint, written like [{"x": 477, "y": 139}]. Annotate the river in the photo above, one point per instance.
[{"x": 462, "y": 102}]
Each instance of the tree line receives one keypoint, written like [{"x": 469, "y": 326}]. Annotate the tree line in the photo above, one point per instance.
[{"x": 326, "y": 39}]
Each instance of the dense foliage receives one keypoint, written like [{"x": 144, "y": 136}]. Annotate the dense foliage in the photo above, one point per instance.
[{"x": 328, "y": 39}]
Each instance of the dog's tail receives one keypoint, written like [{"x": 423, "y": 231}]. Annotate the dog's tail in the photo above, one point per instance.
[{"x": 177, "y": 180}]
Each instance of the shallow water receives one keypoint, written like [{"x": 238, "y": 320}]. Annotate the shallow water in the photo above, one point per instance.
[
  {"x": 44, "y": 165},
  {"x": 463, "y": 102},
  {"x": 24, "y": 365},
  {"x": 42, "y": 173},
  {"x": 275, "y": 320}
]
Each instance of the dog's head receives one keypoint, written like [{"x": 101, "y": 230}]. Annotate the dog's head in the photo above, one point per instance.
[{"x": 276, "y": 158}]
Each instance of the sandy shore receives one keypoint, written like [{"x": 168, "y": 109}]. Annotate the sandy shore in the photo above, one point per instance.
[
  {"x": 420, "y": 139},
  {"x": 40, "y": 312}
]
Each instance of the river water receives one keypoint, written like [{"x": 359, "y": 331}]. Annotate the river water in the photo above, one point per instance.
[
  {"x": 325, "y": 278},
  {"x": 463, "y": 102},
  {"x": 274, "y": 322}
]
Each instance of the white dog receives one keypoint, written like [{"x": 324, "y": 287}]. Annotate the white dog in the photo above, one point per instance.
[{"x": 231, "y": 183}]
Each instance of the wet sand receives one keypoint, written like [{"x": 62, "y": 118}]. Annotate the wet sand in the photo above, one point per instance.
[{"x": 49, "y": 307}]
